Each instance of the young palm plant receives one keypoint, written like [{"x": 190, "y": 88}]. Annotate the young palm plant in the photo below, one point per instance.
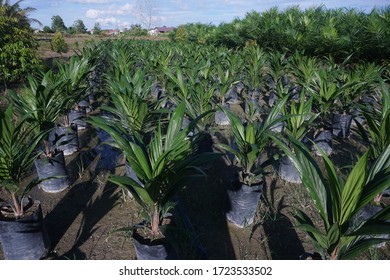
[
  {"x": 326, "y": 92},
  {"x": 21, "y": 234},
  {"x": 250, "y": 140},
  {"x": 163, "y": 165},
  {"x": 297, "y": 126},
  {"x": 376, "y": 132},
  {"x": 41, "y": 105},
  {"x": 338, "y": 201}
]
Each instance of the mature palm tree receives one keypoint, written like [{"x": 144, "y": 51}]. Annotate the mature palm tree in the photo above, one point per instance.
[{"x": 19, "y": 13}]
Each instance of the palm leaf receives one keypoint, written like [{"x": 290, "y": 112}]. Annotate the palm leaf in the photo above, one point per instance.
[{"x": 352, "y": 189}]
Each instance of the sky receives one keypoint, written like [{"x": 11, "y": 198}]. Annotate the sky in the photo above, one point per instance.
[{"x": 120, "y": 14}]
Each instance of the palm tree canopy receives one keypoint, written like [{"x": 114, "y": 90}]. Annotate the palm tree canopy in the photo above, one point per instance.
[{"x": 16, "y": 11}]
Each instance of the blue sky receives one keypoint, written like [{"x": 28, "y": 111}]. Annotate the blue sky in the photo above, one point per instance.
[{"x": 122, "y": 13}]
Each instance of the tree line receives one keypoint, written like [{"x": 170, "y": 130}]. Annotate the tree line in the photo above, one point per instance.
[{"x": 78, "y": 27}]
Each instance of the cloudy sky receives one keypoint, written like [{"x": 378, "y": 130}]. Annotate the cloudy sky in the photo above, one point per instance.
[{"x": 123, "y": 13}]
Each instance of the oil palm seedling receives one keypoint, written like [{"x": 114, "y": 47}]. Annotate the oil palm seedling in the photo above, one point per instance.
[
  {"x": 129, "y": 106},
  {"x": 326, "y": 93},
  {"x": 41, "y": 104},
  {"x": 297, "y": 126},
  {"x": 130, "y": 109},
  {"x": 256, "y": 60},
  {"x": 375, "y": 133},
  {"x": 277, "y": 81},
  {"x": 72, "y": 81},
  {"x": 338, "y": 202},
  {"x": 22, "y": 234},
  {"x": 164, "y": 165},
  {"x": 72, "y": 78},
  {"x": 193, "y": 87},
  {"x": 304, "y": 68},
  {"x": 354, "y": 87},
  {"x": 225, "y": 81},
  {"x": 250, "y": 139}
]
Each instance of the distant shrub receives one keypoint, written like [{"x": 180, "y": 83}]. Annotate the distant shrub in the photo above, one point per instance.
[{"x": 59, "y": 44}]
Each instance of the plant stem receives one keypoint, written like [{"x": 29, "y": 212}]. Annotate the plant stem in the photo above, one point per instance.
[
  {"x": 334, "y": 254},
  {"x": 47, "y": 148},
  {"x": 155, "y": 221},
  {"x": 18, "y": 210}
]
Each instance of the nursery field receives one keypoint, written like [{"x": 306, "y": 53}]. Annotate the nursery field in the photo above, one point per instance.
[
  {"x": 205, "y": 152},
  {"x": 81, "y": 219}
]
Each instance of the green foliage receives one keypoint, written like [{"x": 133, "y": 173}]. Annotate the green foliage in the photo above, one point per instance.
[
  {"x": 316, "y": 31},
  {"x": 164, "y": 165},
  {"x": 97, "y": 29},
  {"x": 301, "y": 117},
  {"x": 18, "y": 54},
  {"x": 47, "y": 29},
  {"x": 79, "y": 27},
  {"x": 181, "y": 34},
  {"x": 251, "y": 138},
  {"x": 59, "y": 44},
  {"x": 57, "y": 24},
  {"x": 129, "y": 94},
  {"x": 376, "y": 133},
  {"x": 327, "y": 92},
  {"x": 40, "y": 103},
  {"x": 136, "y": 30},
  {"x": 256, "y": 59},
  {"x": 197, "y": 33},
  {"x": 338, "y": 201},
  {"x": 18, "y": 145},
  {"x": 72, "y": 80},
  {"x": 192, "y": 87}
]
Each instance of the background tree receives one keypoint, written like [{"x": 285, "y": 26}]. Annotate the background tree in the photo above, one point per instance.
[
  {"x": 59, "y": 44},
  {"x": 47, "y": 29},
  {"x": 79, "y": 27},
  {"x": 97, "y": 29},
  {"x": 136, "y": 30},
  {"x": 57, "y": 24},
  {"x": 144, "y": 11},
  {"x": 71, "y": 30},
  {"x": 18, "y": 47}
]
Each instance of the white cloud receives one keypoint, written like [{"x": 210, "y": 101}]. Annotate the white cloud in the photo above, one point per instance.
[
  {"x": 113, "y": 22},
  {"x": 107, "y": 21},
  {"x": 113, "y": 10},
  {"x": 92, "y": 13}
]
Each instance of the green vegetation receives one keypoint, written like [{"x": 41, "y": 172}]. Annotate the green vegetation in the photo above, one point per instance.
[
  {"x": 18, "y": 144},
  {"x": 57, "y": 24},
  {"x": 59, "y": 44},
  {"x": 18, "y": 54},
  {"x": 278, "y": 77},
  {"x": 96, "y": 29},
  {"x": 316, "y": 31},
  {"x": 338, "y": 201}
]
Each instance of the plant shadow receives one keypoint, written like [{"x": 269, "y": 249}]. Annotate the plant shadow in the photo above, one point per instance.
[
  {"x": 283, "y": 240},
  {"x": 205, "y": 202},
  {"x": 87, "y": 201}
]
